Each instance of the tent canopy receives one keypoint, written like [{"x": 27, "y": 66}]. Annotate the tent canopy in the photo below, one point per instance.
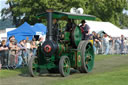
[
  {"x": 26, "y": 30},
  {"x": 22, "y": 32},
  {"x": 3, "y": 36},
  {"x": 107, "y": 27},
  {"x": 39, "y": 29},
  {"x": 125, "y": 32}
]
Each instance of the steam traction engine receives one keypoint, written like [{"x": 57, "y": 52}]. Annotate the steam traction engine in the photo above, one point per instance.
[{"x": 59, "y": 55}]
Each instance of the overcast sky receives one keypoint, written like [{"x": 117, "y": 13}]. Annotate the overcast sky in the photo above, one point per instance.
[{"x": 2, "y": 5}]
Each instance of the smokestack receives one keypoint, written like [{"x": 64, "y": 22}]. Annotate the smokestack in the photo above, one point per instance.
[{"x": 49, "y": 24}]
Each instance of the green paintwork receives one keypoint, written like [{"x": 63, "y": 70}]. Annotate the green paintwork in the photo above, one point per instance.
[
  {"x": 73, "y": 61},
  {"x": 77, "y": 35},
  {"x": 45, "y": 66},
  {"x": 78, "y": 58},
  {"x": 66, "y": 66},
  {"x": 71, "y": 56},
  {"x": 66, "y": 36},
  {"x": 89, "y": 54},
  {"x": 61, "y": 49},
  {"x": 65, "y": 16}
]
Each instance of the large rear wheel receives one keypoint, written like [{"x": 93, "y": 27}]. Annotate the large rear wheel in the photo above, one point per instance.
[
  {"x": 64, "y": 66},
  {"x": 33, "y": 66},
  {"x": 87, "y": 53}
]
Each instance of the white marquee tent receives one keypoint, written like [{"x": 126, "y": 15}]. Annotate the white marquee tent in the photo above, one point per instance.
[
  {"x": 3, "y": 36},
  {"x": 125, "y": 32},
  {"x": 107, "y": 27}
]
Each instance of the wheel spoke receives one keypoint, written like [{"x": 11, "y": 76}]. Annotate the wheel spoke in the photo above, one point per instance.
[
  {"x": 87, "y": 53},
  {"x": 89, "y": 57},
  {"x": 65, "y": 64}
]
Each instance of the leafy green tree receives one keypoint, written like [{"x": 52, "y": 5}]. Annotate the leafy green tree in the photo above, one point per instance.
[
  {"x": 26, "y": 10},
  {"x": 108, "y": 10},
  {"x": 124, "y": 21}
]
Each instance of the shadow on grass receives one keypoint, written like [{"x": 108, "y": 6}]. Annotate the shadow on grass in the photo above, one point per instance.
[
  {"x": 44, "y": 73},
  {"x": 24, "y": 72}
]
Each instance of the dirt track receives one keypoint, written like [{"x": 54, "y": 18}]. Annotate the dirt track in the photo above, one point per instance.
[{"x": 105, "y": 65}]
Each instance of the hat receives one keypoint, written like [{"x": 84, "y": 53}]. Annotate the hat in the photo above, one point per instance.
[{"x": 83, "y": 21}]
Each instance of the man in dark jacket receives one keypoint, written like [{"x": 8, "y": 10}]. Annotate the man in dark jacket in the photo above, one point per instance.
[{"x": 85, "y": 29}]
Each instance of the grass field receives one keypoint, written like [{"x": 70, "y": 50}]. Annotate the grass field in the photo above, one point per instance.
[
  {"x": 9, "y": 73},
  {"x": 108, "y": 70},
  {"x": 117, "y": 77}
]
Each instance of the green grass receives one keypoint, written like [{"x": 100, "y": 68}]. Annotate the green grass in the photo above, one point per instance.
[
  {"x": 117, "y": 77},
  {"x": 108, "y": 70},
  {"x": 101, "y": 57},
  {"x": 9, "y": 73}
]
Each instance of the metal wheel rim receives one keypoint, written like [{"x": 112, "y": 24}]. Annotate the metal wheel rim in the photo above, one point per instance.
[
  {"x": 66, "y": 66},
  {"x": 89, "y": 57},
  {"x": 35, "y": 67}
]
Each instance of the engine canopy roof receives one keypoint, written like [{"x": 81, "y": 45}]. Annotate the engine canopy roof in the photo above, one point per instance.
[{"x": 66, "y": 15}]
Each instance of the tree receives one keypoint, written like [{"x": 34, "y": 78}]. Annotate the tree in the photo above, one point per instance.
[
  {"x": 108, "y": 10},
  {"x": 26, "y": 10},
  {"x": 124, "y": 21}
]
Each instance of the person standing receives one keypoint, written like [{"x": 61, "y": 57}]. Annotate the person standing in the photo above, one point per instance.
[
  {"x": 117, "y": 45},
  {"x": 55, "y": 29},
  {"x": 98, "y": 44},
  {"x": 127, "y": 46},
  {"x": 106, "y": 44},
  {"x": 28, "y": 52},
  {"x": 110, "y": 45},
  {"x": 122, "y": 44},
  {"x": 3, "y": 54},
  {"x": 95, "y": 41},
  {"x": 33, "y": 46},
  {"x": 85, "y": 29}
]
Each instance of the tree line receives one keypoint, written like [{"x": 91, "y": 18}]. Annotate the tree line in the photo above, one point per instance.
[{"x": 104, "y": 10}]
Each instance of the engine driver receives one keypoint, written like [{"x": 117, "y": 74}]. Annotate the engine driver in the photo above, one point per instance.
[{"x": 85, "y": 29}]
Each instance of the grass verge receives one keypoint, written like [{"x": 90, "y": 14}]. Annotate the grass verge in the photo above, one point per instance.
[
  {"x": 117, "y": 77},
  {"x": 9, "y": 73},
  {"x": 102, "y": 57}
]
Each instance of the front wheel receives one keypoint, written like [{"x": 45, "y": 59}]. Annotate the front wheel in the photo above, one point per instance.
[
  {"x": 64, "y": 66},
  {"x": 33, "y": 66}
]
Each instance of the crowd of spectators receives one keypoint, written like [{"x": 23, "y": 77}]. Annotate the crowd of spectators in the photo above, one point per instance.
[
  {"x": 106, "y": 44},
  {"x": 14, "y": 54}
]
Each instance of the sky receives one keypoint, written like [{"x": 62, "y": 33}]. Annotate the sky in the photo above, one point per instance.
[
  {"x": 2, "y": 5},
  {"x": 125, "y": 11}
]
